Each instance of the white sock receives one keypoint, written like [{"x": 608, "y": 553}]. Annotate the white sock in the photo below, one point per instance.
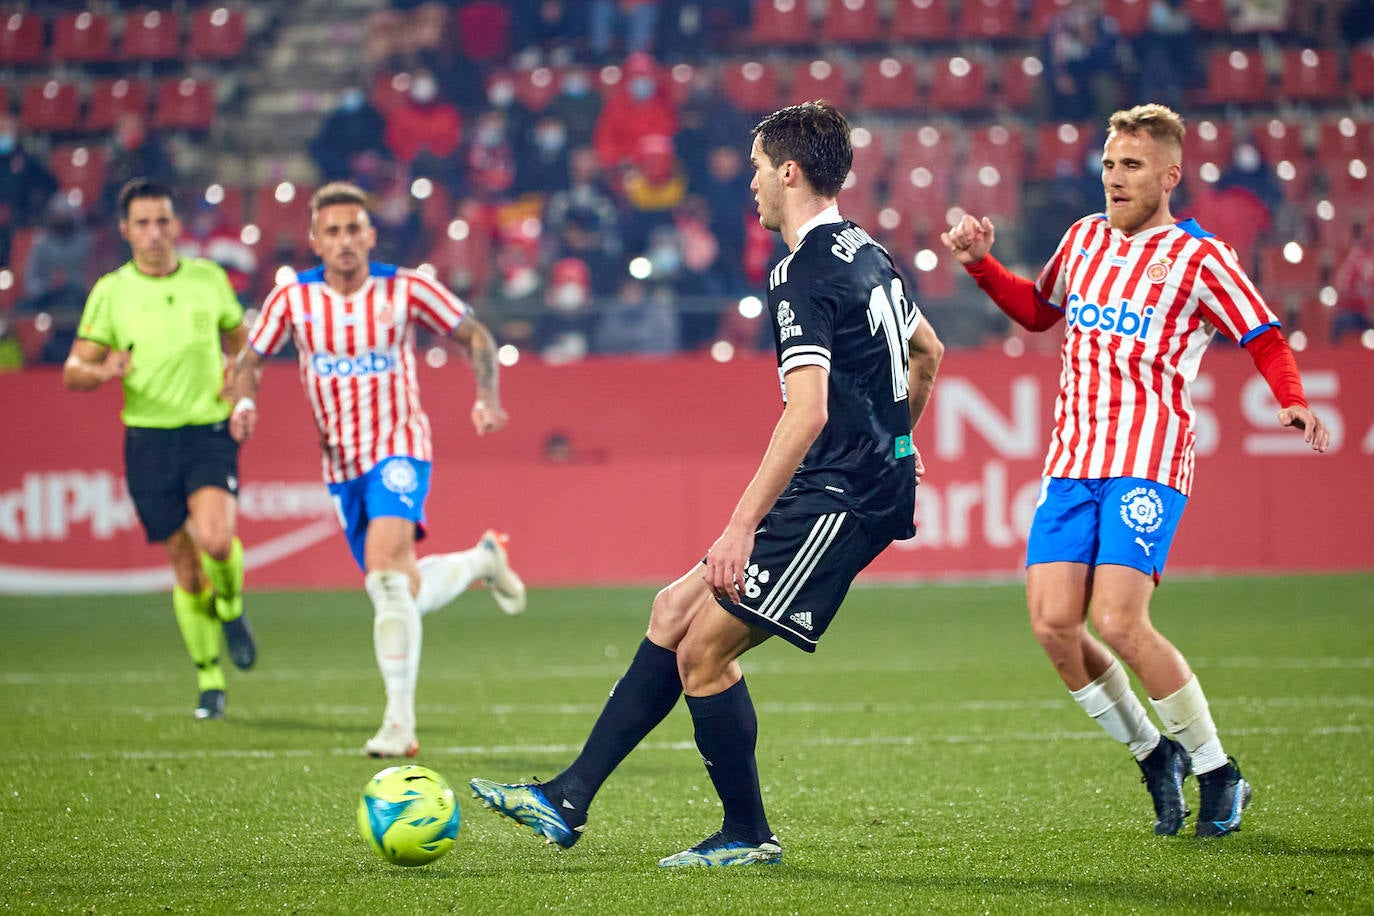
[
  {"x": 445, "y": 576},
  {"x": 396, "y": 636},
  {"x": 1188, "y": 719},
  {"x": 1110, "y": 701}
]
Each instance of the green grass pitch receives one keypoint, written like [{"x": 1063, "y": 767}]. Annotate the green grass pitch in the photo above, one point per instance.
[{"x": 927, "y": 759}]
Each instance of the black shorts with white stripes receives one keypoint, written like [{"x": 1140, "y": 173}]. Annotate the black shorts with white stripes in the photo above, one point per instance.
[{"x": 800, "y": 571}]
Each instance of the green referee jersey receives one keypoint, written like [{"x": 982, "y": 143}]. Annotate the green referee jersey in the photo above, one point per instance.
[{"x": 172, "y": 324}]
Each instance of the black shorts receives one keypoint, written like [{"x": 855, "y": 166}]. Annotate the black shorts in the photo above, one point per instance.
[
  {"x": 800, "y": 571},
  {"x": 165, "y": 466}
]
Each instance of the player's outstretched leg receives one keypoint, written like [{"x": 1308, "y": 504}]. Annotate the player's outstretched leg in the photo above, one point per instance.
[
  {"x": 720, "y": 849},
  {"x": 506, "y": 587},
  {"x": 226, "y": 578},
  {"x": 1163, "y": 772},
  {"x": 526, "y": 803},
  {"x": 396, "y": 636},
  {"x": 1225, "y": 793},
  {"x": 445, "y": 576},
  {"x": 200, "y": 631}
]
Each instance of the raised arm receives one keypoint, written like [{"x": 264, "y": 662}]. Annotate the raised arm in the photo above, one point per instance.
[
  {"x": 487, "y": 413},
  {"x": 90, "y": 365},
  {"x": 970, "y": 241}
]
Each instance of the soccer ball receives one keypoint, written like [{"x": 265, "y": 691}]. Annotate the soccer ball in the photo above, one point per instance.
[{"x": 408, "y": 815}]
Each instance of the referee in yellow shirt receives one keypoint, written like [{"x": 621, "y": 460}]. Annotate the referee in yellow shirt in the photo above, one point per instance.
[{"x": 161, "y": 324}]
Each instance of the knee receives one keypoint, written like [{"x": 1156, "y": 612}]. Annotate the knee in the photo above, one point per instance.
[
  {"x": 667, "y": 619},
  {"x": 1121, "y": 630},
  {"x": 697, "y": 667},
  {"x": 218, "y": 544},
  {"x": 1055, "y": 631}
]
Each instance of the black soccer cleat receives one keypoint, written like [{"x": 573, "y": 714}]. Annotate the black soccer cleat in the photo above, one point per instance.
[
  {"x": 1225, "y": 793},
  {"x": 1163, "y": 772},
  {"x": 210, "y": 705},
  {"x": 243, "y": 649}
]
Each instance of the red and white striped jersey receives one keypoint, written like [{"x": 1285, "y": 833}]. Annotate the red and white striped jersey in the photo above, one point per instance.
[
  {"x": 357, "y": 360},
  {"x": 1140, "y": 311}
]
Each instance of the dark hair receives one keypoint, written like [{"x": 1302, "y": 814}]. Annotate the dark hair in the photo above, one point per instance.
[
  {"x": 136, "y": 188},
  {"x": 338, "y": 192},
  {"x": 815, "y": 136}
]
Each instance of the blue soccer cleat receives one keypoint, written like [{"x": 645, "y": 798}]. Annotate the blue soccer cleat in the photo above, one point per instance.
[
  {"x": 719, "y": 849},
  {"x": 526, "y": 804},
  {"x": 1225, "y": 793},
  {"x": 1163, "y": 772}
]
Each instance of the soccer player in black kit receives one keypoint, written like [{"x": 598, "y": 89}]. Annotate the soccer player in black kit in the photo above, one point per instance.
[{"x": 836, "y": 485}]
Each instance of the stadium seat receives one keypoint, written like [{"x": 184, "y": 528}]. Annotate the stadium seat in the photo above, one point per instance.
[
  {"x": 81, "y": 38},
  {"x": 1236, "y": 77},
  {"x": 852, "y": 22},
  {"x": 682, "y": 77},
  {"x": 941, "y": 281},
  {"x": 80, "y": 168},
  {"x": 958, "y": 84},
  {"x": 990, "y": 191},
  {"x": 1061, "y": 149},
  {"x": 887, "y": 84},
  {"x": 281, "y": 213},
  {"x": 20, "y": 243},
  {"x": 920, "y": 192},
  {"x": 231, "y": 201},
  {"x": 1003, "y": 146},
  {"x": 1208, "y": 140},
  {"x": 780, "y": 22},
  {"x": 1335, "y": 221},
  {"x": 1018, "y": 80},
  {"x": 989, "y": 19},
  {"x": 1288, "y": 283},
  {"x": 218, "y": 32},
  {"x": 1131, "y": 15},
  {"x": 32, "y": 332},
  {"x": 1342, "y": 139},
  {"x": 1208, "y": 15},
  {"x": 50, "y": 105},
  {"x": 1310, "y": 75},
  {"x": 1042, "y": 11},
  {"x": 752, "y": 85},
  {"x": 932, "y": 145},
  {"x": 922, "y": 20},
  {"x": 870, "y": 156},
  {"x": 1362, "y": 72},
  {"x": 536, "y": 88},
  {"x": 1278, "y": 140},
  {"x": 111, "y": 99},
  {"x": 819, "y": 79},
  {"x": 186, "y": 104},
  {"x": 21, "y": 39},
  {"x": 150, "y": 36},
  {"x": 484, "y": 31},
  {"x": 389, "y": 90},
  {"x": 1352, "y": 185}
]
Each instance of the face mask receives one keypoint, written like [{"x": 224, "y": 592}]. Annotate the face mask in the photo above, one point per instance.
[
  {"x": 567, "y": 297},
  {"x": 501, "y": 94},
  {"x": 423, "y": 91},
  {"x": 6, "y": 144},
  {"x": 576, "y": 86},
  {"x": 352, "y": 100},
  {"x": 642, "y": 88},
  {"x": 488, "y": 136},
  {"x": 550, "y": 138},
  {"x": 1247, "y": 158}
]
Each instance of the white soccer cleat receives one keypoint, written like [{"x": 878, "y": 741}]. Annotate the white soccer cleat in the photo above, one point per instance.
[
  {"x": 392, "y": 740},
  {"x": 506, "y": 587}
]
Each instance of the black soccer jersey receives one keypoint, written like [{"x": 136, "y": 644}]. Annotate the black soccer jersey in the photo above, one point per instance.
[{"x": 838, "y": 302}]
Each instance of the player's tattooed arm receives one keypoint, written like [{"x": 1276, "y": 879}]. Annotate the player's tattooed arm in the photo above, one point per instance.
[{"x": 487, "y": 413}]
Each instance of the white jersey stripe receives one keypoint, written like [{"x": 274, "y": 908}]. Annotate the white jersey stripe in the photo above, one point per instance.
[{"x": 821, "y": 536}]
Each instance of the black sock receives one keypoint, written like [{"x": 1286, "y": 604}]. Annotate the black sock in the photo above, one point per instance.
[
  {"x": 643, "y": 696},
  {"x": 726, "y": 731}
]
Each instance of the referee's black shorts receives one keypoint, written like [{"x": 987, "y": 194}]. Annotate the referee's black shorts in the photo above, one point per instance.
[
  {"x": 165, "y": 466},
  {"x": 800, "y": 571}
]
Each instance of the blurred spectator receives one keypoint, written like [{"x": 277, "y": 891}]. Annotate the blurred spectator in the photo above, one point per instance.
[
  {"x": 707, "y": 119},
  {"x": 635, "y": 21},
  {"x": 1235, "y": 214},
  {"x": 582, "y": 221},
  {"x": 544, "y": 24},
  {"x": 639, "y": 106},
  {"x": 638, "y": 320},
  {"x": 1168, "y": 54},
  {"x": 26, "y": 185},
  {"x": 397, "y": 218},
  {"x": 543, "y": 163},
  {"x": 578, "y": 105},
  {"x": 55, "y": 272},
  {"x": 1061, "y": 201},
  {"x": 731, "y": 207},
  {"x": 209, "y": 235},
  {"x": 1249, "y": 170},
  {"x": 352, "y": 129},
  {"x": 134, "y": 151},
  {"x": 424, "y": 131},
  {"x": 1354, "y": 283},
  {"x": 490, "y": 159},
  {"x": 1081, "y": 66},
  {"x": 1258, "y": 15},
  {"x": 564, "y": 330},
  {"x": 653, "y": 185}
]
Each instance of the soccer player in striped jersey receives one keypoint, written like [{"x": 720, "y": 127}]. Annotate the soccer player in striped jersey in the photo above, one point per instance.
[
  {"x": 353, "y": 323},
  {"x": 836, "y": 485},
  {"x": 1141, "y": 297}
]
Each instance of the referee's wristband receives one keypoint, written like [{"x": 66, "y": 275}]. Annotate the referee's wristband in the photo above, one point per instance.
[{"x": 243, "y": 404}]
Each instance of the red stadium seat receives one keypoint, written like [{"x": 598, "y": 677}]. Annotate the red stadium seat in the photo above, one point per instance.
[
  {"x": 921, "y": 193},
  {"x": 281, "y": 213},
  {"x": 819, "y": 79},
  {"x": 150, "y": 35},
  {"x": 80, "y": 168},
  {"x": 186, "y": 104},
  {"x": 1061, "y": 149},
  {"x": 887, "y": 84},
  {"x": 1208, "y": 15},
  {"x": 21, "y": 39},
  {"x": 681, "y": 78},
  {"x": 870, "y": 158},
  {"x": 389, "y": 90},
  {"x": 536, "y": 88},
  {"x": 922, "y": 20},
  {"x": 484, "y": 31},
  {"x": 990, "y": 191},
  {"x": 81, "y": 38},
  {"x": 33, "y": 333},
  {"x": 1131, "y": 15},
  {"x": 1208, "y": 141},
  {"x": 1343, "y": 139},
  {"x": 958, "y": 84},
  {"x": 1018, "y": 80},
  {"x": 111, "y": 99},
  {"x": 932, "y": 145},
  {"x": 1335, "y": 221},
  {"x": 50, "y": 105},
  {"x": 993, "y": 19},
  {"x": 218, "y": 32},
  {"x": 1362, "y": 72},
  {"x": 1311, "y": 75},
  {"x": 940, "y": 282},
  {"x": 231, "y": 201},
  {"x": 1278, "y": 140},
  {"x": 1288, "y": 281},
  {"x": 780, "y": 22},
  {"x": 1353, "y": 185},
  {"x": 1236, "y": 76},
  {"x": 752, "y": 85},
  {"x": 851, "y": 22},
  {"x": 998, "y": 145},
  {"x": 1042, "y": 11}
]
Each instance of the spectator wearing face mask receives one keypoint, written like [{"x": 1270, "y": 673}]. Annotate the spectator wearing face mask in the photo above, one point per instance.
[
  {"x": 654, "y": 183},
  {"x": 582, "y": 221},
  {"x": 542, "y": 165},
  {"x": 491, "y": 157},
  {"x": 424, "y": 131},
  {"x": 578, "y": 105},
  {"x": 564, "y": 330},
  {"x": 353, "y": 128},
  {"x": 640, "y": 106}
]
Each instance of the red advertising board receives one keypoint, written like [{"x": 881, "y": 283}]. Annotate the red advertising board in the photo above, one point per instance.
[{"x": 657, "y": 453}]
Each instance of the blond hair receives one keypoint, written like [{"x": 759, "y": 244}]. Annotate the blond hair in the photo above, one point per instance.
[
  {"x": 1158, "y": 121},
  {"x": 338, "y": 192}
]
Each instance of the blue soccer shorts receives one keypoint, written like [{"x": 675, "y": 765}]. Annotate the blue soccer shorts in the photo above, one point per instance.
[
  {"x": 394, "y": 487},
  {"x": 1122, "y": 521}
]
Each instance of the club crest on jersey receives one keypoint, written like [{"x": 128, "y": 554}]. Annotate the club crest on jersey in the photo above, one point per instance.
[
  {"x": 1158, "y": 271},
  {"x": 373, "y": 362},
  {"x": 386, "y": 314},
  {"x": 786, "y": 317},
  {"x": 1142, "y": 510},
  {"x": 400, "y": 477},
  {"x": 1089, "y": 315}
]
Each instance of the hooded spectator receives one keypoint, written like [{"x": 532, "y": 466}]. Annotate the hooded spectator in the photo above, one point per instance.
[{"x": 640, "y": 106}]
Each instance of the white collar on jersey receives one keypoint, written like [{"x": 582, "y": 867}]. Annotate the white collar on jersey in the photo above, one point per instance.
[{"x": 830, "y": 214}]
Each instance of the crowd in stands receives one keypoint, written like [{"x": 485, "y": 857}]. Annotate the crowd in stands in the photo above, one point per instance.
[{"x": 579, "y": 169}]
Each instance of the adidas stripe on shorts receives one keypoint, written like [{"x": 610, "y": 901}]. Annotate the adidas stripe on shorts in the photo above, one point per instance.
[{"x": 800, "y": 571}]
